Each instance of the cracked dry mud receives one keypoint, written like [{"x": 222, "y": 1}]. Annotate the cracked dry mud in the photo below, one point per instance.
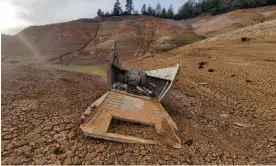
[{"x": 41, "y": 110}]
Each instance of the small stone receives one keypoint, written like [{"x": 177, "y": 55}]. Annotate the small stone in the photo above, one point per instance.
[
  {"x": 147, "y": 158},
  {"x": 143, "y": 152},
  {"x": 241, "y": 124},
  {"x": 188, "y": 142},
  {"x": 208, "y": 158},
  {"x": 224, "y": 115},
  {"x": 245, "y": 39},
  {"x": 202, "y": 83},
  {"x": 56, "y": 128},
  {"x": 87, "y": 111},
  {"x": 48, "y": 128},
  {"x": 167, "y": 158},
  {"x": 119, "y": 152},
  {"x": 248, "y": 81},
  {"x": 101, "y": 149},
  {"x": 161, "y": 162},
  {"x": 211, "y": 70},
  {"x": 202, "y": 63},
  {"x": 109, "y": 162}
]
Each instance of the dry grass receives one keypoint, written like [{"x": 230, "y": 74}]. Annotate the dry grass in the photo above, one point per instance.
[{"x": 95, "y": 70}]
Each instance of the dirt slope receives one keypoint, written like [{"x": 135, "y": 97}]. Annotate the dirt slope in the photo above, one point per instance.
[
  {"x": 208, "y": 25},
  {"x": 88, "y": 41},
  {"x": 242, "y": 88},
  {"x": 51, "y": 41},
  {"x": 136, "y": 36}
]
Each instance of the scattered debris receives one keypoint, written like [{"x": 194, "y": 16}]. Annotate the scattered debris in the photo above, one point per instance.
[
  {"x": 233, "y": 75},
  {"x": 244, "y": 39},
  {"x": 188, "y": 142},
  {"x": 202, "y": 63},
  {"x": 202, "y": 83},
  {"x": 248, "y": 81},
  {"x": 241, "y": 124},
  {"x": 211, "y": 70}
]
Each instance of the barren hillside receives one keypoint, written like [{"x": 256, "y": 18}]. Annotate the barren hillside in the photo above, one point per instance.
[
  {"x": 208, "y": 25},
  {"x": 88, "y": 41},
  {"x": 50, "y": 41},
  {"x": 136, "y": 36}
]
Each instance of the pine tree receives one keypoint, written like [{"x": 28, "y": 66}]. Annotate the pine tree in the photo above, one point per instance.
[
  {"x": 235, "y": 4},
  {"x": 203, "y": 6},
  {"x": 244, "y": 4},
  {"x": 187, "y": 10},
  {"x": 164, "y": 13},
  {"x": 150, "y": 11},
  {"x": 170, "y": 12},
  {"x": 197, "y": 9},
  {"x": 107, "y": 14},
  {"x": 129, "y": 6},
  {"x": 271, "y": 2},
  {"x": 153, "y": 12},
  {"x": 158, "y": 10},
  {"x": 181, "y": 12},
  {"x": 100, "y": 13},
  {"x": 221, "y": 7},
  {"x": 117, "y": 9},
  {"x": 144, "y": 10}
]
